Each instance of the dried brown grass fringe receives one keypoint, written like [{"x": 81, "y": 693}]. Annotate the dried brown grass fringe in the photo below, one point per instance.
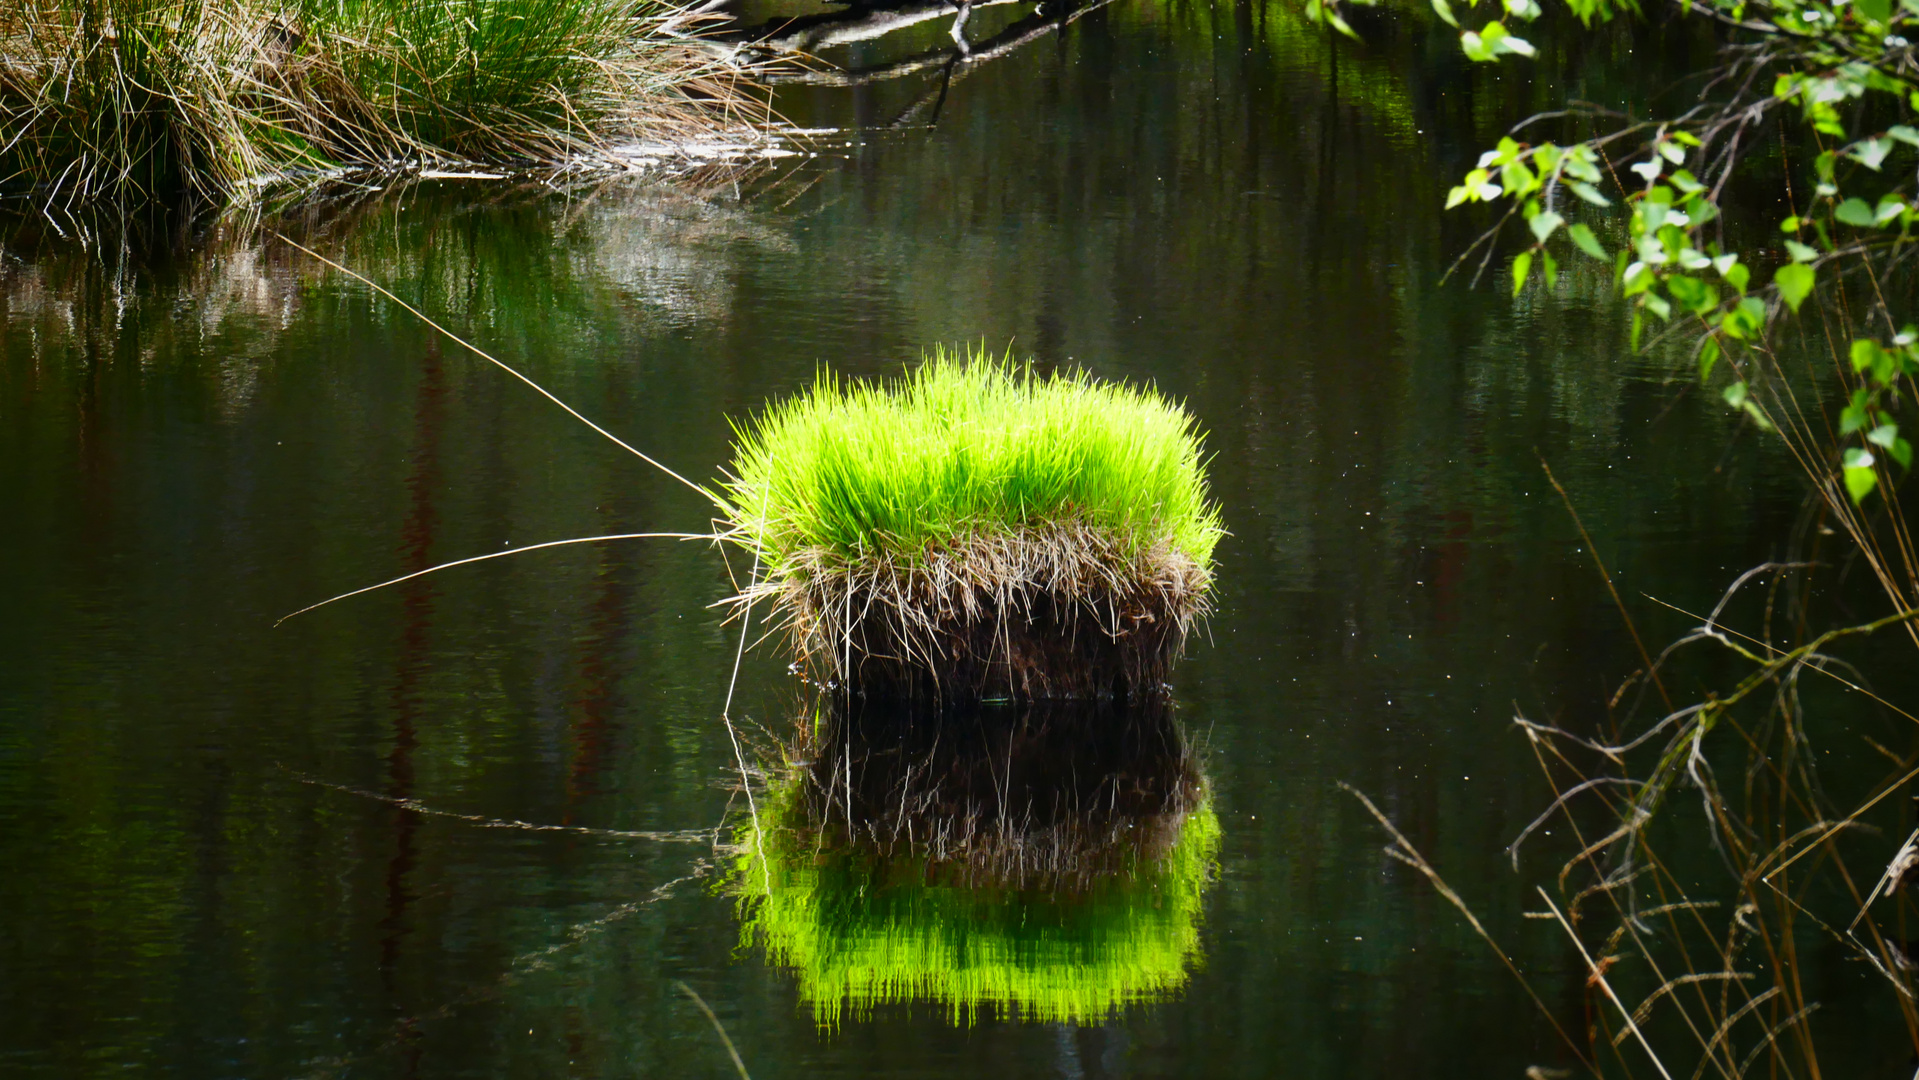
[{"x": 1063, "y": 611}]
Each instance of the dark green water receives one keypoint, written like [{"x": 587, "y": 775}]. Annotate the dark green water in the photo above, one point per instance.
[{"x": 1212, "y": 198}]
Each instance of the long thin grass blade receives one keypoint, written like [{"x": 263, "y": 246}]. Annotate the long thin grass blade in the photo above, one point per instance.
[
  {"x": 502, "y": 555},
  {"x": 731, "y": 1050},
  {"x": 482, "y": 354}
]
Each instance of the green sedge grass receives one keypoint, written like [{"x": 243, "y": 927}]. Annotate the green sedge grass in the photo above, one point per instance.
[
  {"x": 966, "y": 444},
  {"x": 129, "y": 101}
]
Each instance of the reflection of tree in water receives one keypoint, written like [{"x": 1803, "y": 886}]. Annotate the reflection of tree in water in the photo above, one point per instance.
[{"x": 1042, "y": 862}]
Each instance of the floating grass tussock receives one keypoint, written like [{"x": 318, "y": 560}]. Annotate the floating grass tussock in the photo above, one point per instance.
[
  {"x": 974, "y": 529},
  {"x": 139, "y": 99},
  {"x": 861, "y": 933}
]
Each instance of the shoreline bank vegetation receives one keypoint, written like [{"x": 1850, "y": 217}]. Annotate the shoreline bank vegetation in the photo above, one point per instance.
[
  {"x": 132, "y": 101},
  {"x": 972, "y": 530}
]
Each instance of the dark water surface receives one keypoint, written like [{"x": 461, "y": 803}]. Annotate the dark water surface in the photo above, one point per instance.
[{"x": 200, "y": 875}]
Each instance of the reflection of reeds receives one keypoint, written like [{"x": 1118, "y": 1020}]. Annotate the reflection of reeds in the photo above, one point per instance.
[
  {"x": 137, "y": 99},
  {"x": 625, "y": 242},
  {"x": 1045, "y": 863},
  {"x": 975, "y": 531}
]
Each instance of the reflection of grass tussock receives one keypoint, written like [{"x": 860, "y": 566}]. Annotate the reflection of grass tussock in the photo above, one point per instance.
[
  {"x": 145, "y": 98},
  {"x": 862, "y": 933},
  {"x": 1053, "y": 796},
  {"x": 921, "y": 523}
]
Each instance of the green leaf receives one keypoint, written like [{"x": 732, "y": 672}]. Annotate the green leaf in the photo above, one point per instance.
[
  {"x": 1549, "y": 267},
  {"x": 1543, "y": 223},
  {"x": 1491, "y": 41},
  {"x": 1884, "y": 435},
  {"x": 1583, "y": 238},
  {"x": 1588, "y": 192},
  {"x": 1737, "y": 275},
  {"x": 1747, "y": 320},
  {"x": 1860, "y": 477},
  {"x": 1739, "y": 396},
  {"x": 1657, "y": 304},
  {"x": 1878, "y": 11},
  {"x": 1801, "y": 252},
  {"x": 1860, "y": 482},
  {"x": 1580, "y": 164},
  {"x": 1795, "y": 283},
  {"x": 1901, "y": 452},
  {"x": 1519, "y": 180},
  {"x": 1790, "y": 225},
  {"x": 1697, "y": 296},
  {"x": 1870, "y": 152},
  {"x": 1522, "y": 266},
  {"x": 1445, "y": 12},
  {"x": 1904, "y": 134},
  {"x": 1708, "y": 356},
  {"x": 1518, "y": 45},
  {"x": 1853, "y": 417},
  {"x": 1854, "y": 212},
  {"x": 1866, "y": 353}
]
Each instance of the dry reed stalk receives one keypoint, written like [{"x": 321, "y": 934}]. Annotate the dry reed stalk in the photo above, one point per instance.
[{"x": 1715, "y": 996}]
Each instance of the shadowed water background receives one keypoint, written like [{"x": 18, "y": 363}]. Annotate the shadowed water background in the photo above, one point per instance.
[{"x": 1215, "y": 199}]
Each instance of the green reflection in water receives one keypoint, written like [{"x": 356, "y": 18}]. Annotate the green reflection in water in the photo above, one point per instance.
[{"x": 861, "y": 932}]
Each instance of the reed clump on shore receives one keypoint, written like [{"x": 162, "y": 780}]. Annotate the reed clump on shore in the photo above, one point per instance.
[
  {"x": 974, "y": 531},
  {"x": 137, "y": 100}
]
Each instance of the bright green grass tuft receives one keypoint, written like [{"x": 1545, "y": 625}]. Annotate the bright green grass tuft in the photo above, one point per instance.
[
  {"x": 860, "y": 936},
  {"x": 965, "y": 444}
]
